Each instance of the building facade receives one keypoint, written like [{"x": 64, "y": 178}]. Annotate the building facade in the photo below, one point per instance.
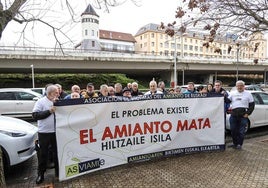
[
  {"x": 151, "y": 40},
  {"x": 102, "y": 40}
]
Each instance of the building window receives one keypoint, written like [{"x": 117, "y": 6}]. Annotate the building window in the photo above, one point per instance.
[
  {"x": 166, "y": 52},
  {"x": 85, "y": 32},
  {"x": 166, "y": 45},
  {"x": 161, "y": 45},
  {"x": 161, "y": 53},
  {"x": 196, "y": 48},
  {"x": 141, "y": 37},
  {"x": 140, "y": 45},
  {"x": 185, "y": 47},
  {"x": 191, "y": 47},
  {"x": 93, "y": 43},
  {"x": 152, "y": 44},
  {"x": 152, "y": 52},
  {"x": 173, "y": 45},
  {"x": 92, "y": 32},
  {"x": 152, "y": 35}
]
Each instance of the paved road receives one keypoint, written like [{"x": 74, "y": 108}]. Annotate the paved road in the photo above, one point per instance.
[{"x": 247, "y": 168}]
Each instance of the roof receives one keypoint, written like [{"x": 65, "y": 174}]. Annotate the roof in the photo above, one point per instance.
[
  {"x": 148, "y": 27},
  {"x": 90, "y": 10},
  {"x": 113, "y": 35}
]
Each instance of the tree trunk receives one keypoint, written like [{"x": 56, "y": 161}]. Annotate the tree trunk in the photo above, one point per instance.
[{"x": 2, "y": 175}]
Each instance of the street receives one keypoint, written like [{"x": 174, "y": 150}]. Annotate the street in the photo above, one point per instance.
[{"x": 24, "y": 174}]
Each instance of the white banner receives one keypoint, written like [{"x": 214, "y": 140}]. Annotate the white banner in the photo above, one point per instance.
[{"x": 100, "y": 133}]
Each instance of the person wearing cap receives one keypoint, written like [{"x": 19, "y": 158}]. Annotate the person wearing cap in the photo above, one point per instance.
[
  {"x": 242, "y": 103},
  {"x": 90, "y": 91},
  {"x": 127, "y": 92}
]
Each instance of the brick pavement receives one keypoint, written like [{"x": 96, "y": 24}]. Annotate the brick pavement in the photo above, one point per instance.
[{"x": 246, "y": 168}]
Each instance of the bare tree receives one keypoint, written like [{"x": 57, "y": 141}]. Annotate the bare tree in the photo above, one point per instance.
[
  {"x": 30, "y": 12},
  {"x": 218, "y": 17}
]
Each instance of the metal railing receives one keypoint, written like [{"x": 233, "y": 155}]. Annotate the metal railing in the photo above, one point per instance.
[{"x": 59, "y": 52}]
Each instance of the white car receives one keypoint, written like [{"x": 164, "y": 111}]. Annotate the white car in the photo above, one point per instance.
[
  {"x": 40, "y": 90},
  {"x": 259, "y": 116},
  {"x": 17, "y": 102},
  {"x": 250, "y": 88},
  {"x": 17, "y": 140}
]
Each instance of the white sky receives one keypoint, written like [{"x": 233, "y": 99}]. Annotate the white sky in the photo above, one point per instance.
[{"x": 127, "y": 18}]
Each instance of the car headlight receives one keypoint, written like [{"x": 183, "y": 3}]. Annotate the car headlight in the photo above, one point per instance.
[{"x": 13, "y": 133}]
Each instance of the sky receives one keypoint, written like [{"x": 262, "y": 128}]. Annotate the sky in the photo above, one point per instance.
[{"x": 127, "y": 18}]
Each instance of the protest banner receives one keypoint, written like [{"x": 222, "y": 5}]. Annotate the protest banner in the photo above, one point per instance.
[{"x": 94, "y": 134}]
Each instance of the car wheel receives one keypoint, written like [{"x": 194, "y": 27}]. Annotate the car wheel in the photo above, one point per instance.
[{"x": 5, "y": 161}]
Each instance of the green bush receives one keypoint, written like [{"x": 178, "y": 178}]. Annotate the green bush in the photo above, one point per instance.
[{"x": 66, "y": 80}]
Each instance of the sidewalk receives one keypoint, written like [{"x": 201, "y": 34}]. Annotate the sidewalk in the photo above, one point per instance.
[{"x": 246, "y": 168}]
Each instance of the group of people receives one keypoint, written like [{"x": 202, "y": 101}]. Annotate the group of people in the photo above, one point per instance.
[{"x": 241, "y": 102}]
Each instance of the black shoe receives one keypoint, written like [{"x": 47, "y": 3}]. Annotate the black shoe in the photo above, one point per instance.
[
  {"x": 238, "y": 147},
  {"x": 39, "y": 179}
]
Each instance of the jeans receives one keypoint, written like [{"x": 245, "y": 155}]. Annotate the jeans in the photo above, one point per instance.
[{"x": 238, "y": 126}]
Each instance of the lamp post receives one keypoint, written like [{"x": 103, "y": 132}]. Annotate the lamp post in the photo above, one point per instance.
[
  {"x": 175, "y": 62},
  {"x": 32, "y": 66}
]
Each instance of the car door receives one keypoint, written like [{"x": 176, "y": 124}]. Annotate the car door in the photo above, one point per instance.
[
  {"x": 259, "y": 117},
  {"x": 25, "y": 103},
  {"x": 7, "y": 103}
]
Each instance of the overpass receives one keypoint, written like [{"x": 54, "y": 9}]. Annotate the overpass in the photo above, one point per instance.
[{"x": 20, "y": 59}]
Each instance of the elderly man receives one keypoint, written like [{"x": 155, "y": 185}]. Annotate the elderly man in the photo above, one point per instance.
[
  {"x": 44, "y": 113},
  {"x": 153, "y": 89},
  {"x": 135, "y": 90},
  {"x": 242, "y": 104}
]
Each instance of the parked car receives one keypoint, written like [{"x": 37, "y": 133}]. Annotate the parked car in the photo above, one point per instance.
[
  {"x": 259, "y": 117},
  {"x": 17, "y": 140},
  {"x": 250, "y": 88},
  {"x": 184, "y": 87},
  {"x": 40, "y": 90},
  {"x": 17, "y": 102}
]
